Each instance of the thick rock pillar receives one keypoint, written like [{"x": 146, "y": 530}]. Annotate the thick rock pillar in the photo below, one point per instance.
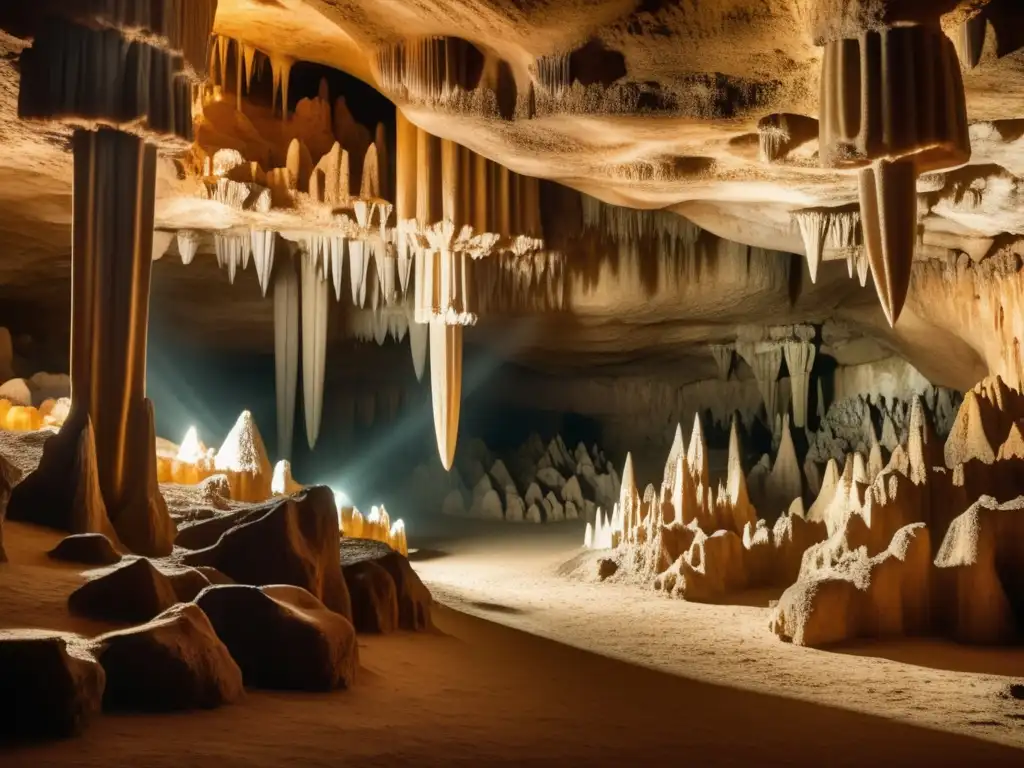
[{"x": 102, "y": 68}]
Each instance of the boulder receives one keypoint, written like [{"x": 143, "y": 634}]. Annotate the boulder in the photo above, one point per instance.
[
  {"x": 86, "y": 548},
  {"x": 980, "y": 573},
  {"x": 374, "y": 597},
  {"x": 291, "y": 541},
  {"x": 132, "y": 593},
  {"x": 414, "y": 599},
  {"x": 9, "y": 477},
  {"x": 52, "y": 684},
  {"x": 283, "y": 637},
  {"x": 176, "y": 661},
  {"x": 861, "y": 596}
]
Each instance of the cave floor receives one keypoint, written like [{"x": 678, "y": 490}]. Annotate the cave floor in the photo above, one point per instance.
[{"x": 529, "y": 668}]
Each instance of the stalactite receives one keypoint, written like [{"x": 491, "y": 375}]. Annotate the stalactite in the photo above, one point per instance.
[
  {"x": 188, "y": 245},
  {"x": 315, "y": 307},
  {"x": 893, "y": 106},
  {"x": 723, "y": 359},
  {"x": 263, "y": 246},
  {"x": 286, "y": 351}
]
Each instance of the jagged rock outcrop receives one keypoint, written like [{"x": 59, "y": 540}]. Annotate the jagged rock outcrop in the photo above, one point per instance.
[
  {"x": 283, "y": 637},
  {"x": 293, "y": 541},
  {"x": 176, "y": 661},
  {"x": 56, "y": 682},
  {"x": 414, "y": 599},
  {"x": 916, "y": 550}
]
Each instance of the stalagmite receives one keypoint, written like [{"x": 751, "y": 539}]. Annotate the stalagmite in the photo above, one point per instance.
[
  {"x": 315, "y": 307},
  {"x": 286, "y": 352},
  {"x": 723, "y": 359},
  {"x": 799, "y": 361},
  {"x": 263, "y": 244},
  {"x": 446, "y": 386},
  {"x": 188, "y": 245},
  {"x": 243, "y": 458}
]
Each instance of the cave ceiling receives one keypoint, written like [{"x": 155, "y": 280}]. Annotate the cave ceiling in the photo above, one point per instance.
[{"x": 708, "y": 110}]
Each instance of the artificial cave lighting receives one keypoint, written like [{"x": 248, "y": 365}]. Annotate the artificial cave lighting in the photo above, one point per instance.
[
  {"x": 732, "y": 290},
  {"x": 376, "y": 526}
]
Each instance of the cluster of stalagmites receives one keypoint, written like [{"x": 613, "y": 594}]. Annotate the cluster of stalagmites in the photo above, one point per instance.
[
  {"x": 536, "y": 483},
  {"x": 266, "y": 597},
  {"x": 924, "y": 540}
]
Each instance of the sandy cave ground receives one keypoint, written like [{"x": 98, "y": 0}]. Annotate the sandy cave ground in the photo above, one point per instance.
[{"x": 530, "y": 668}]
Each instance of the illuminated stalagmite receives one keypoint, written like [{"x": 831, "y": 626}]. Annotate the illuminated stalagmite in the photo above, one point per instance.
[{"x": 102, "y": 465}]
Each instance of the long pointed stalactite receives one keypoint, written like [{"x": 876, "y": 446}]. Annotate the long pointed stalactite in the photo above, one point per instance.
[{"x": 892, "y": 106}]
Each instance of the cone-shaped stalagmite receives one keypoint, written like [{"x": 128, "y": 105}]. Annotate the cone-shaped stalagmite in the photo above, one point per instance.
[{"x": 286, "y": 352}]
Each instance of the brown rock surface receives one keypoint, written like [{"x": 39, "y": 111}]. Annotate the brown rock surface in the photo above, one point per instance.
[
  {"x": 294, "y": 541},
  {"x": 283, "y": 637},
  {"x": 87, "y": 548},
  {"x": 56, "y": 683},
  {"x": 176, "y": 661},
  {"x": 414, "y": 599},
  {"x": 374, "y": 597}
]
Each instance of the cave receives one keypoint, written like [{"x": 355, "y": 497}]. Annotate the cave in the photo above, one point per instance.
[{"x": 467, "y": 382}]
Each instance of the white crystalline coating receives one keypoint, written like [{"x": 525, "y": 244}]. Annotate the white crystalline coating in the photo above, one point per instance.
[
  {"x": 314, "y": 345},
  {"x": 337, "y": 263},
  {"x": 419, "y": 341},
  {"x": 188, "y": 245},
  {"x": 243, "y": 450},
  {"x": 357, "y": 271},
  {"x": 191, "y": 450},
  {"x": 286, "y": 352},
  {"x": 282, "y": 479},
  {"x": 588, "y": 537},
  {"x": 263, "y": 246}
]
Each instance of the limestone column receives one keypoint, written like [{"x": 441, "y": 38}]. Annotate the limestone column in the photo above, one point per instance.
[
  {"x": 766, "y": 371},
  {"x": 799, "y": 361},
  {"x": 723, "y": 359},
  {"x": 101, "y": 67}
]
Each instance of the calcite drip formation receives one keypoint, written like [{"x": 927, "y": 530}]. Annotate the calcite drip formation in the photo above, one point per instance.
[
  {"x": 416, "y": 242},
  {"x": 918, "y": 539}
]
